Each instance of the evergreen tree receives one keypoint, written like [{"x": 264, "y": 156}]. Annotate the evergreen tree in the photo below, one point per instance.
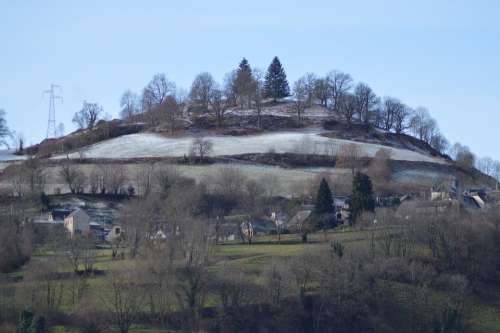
[
  {"x": 244, "y": 82},
  {"x": 276, "y": 84},
  {"x": 324, "y": 199},
  {"x": 37, "y": 325},
  {"x": 25, "y": 321},
  {"x": 362, "y": 196}
]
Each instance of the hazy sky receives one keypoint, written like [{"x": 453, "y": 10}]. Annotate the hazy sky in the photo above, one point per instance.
[{"x": 444, "y": 55}]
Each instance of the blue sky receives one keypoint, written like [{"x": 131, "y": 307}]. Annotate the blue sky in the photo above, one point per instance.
[{"x": 444, "y": 55}]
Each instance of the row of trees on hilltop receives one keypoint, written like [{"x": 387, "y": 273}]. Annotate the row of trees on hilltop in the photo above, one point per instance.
[{"x": 248, "y": 87}]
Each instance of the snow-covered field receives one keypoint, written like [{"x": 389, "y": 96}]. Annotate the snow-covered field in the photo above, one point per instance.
[{"x": 304, "y": 141}]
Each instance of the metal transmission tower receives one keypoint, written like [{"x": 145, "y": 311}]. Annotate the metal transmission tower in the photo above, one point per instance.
[{"x": 51, "y": 127}]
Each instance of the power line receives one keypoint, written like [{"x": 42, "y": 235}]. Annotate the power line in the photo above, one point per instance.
[{"x": 51, "y": 126}]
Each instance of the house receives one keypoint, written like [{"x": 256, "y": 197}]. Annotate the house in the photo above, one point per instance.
[
  {"x": 58, "y": 215},
  {"x": 341, "y": 205},
  {"x": 77, "y": 223},
  {"x": 444, "y": 191},
  {"x": 298, "y": 220},
  {"x": 114, "y": 233}
]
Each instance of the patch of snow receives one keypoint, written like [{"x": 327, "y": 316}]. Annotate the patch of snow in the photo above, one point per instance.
[{"x": 304, "y": 141}]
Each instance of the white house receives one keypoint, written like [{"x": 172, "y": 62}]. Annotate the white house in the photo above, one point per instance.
[{"x": 78, "y": 222}]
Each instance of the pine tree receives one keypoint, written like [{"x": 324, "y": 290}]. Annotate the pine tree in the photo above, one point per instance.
[
  {"x": 37, "y": 325},
  {"x": 25, "y": 322},
  {"x": 244, "y": 83},
  {"x": 324, "y": 199},
  {"x": 362, "y": 196},
  {"x": 276, "y": 84}
]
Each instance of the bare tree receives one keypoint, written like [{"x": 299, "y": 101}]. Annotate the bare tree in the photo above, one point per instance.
[
  {"x": 129, "y": 104},
  {"x": 5, "y": 133},
  {"x": 73, "y": 177},
  {"x": 366, "y": 102},
  {"x": 19, "y": 142},
  {"x": 300, "y": 98},
  {"x": 310, "y": 87},
  {"x": 322, "y": 90},
  {"x": 144, "y": 178},
  {"x": 201, "y": 147},
  {"x": 389, "y": 109},
  {"x": 172, "y": 107},
  {"x": 380, "y": 170},
  {"x": 401, "y": 115},
  {"x": 347, "y": 107},
  {"x": 258, "y": 94},
  {"x": 229, "y": 89},
  {"x": 88, "y": 116},
  {"x": 123, "y": 299},
  {"x": 349, "y": 156},
  {"x": 158, "y": 89},
  {"x": 219, "y": 103},
  {"x": 201, "y": 89},
  {"x": 340, "y": 83},
  {"x": 462, "y": 155}
]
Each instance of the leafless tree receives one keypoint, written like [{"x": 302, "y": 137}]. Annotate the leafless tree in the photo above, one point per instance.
[
  {"x": 45, "y": 290},
  {"x": 340, "y": 83},
  {"x": 144, "y": 178},
  {"x": 322, "y": 90},
  {"x": 19, "y": 142},
  {"x": 349, "y": 156},
  {"x": 122, "y": 297},
  {"x": 380, "y": 170},
  {"x": 158, "y": 89},
  {"x": 366, "y": 102},
  {"x": 300, "y": 98},
  {"x": 258, "y": 94},
  {"x": 172, "y": 107},
  {"x": 219, "y": 103},
  {"x": 486, "y": 165},
  {"x": 310, "y": 87},
  {"x": 5, "y": 132},
  {"x": 347, "y": 107},
  {"x": 113, "y": 178},
  {"x": 229, "y": 90},
  {"x": 166, "y": 177},
  {"x": 129, "y": 104},
  {"x": 462, "y": 155},
  {"x": 88, "y": 116},
  {"x": 201, "y": 147},
  {"x": 73, "y": 177},
  {"x": 389, "y": 109},
  {"x": 401, "y": 115},
  {"x": 201, "y": 89}
]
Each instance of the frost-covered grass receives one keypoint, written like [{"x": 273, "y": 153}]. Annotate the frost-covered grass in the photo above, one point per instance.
[{"x": 304, "y": 141}]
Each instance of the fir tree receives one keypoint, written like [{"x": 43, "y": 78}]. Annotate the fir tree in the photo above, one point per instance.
[
  {"x": 362, "y": 196},
  {"x": 25, "y": 321},
  {"x": 37, "y": 325},
  {"x": 324, "y": 199},
  {"x": 243, "y": 82},
  {"x": 276, "y": 84}
]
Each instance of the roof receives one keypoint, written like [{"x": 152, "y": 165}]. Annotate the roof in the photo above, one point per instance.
[
  {"x": 60, "y": 214},
  {"x": 76, "y": 211},
  {"x": 300, "y": 217}
]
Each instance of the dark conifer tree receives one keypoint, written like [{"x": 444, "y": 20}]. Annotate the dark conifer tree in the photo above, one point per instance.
[
  {"x": 362, "y": 196},
  {"x": 324, "y": 199},
  {"x": 244, "y": 83},
  {"x": 276, "y": 84}
]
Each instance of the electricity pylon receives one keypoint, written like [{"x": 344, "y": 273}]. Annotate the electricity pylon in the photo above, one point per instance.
[{"x": 51, "y": 127}]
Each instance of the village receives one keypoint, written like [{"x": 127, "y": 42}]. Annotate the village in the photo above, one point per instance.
[{"x": 444, "y": 197}]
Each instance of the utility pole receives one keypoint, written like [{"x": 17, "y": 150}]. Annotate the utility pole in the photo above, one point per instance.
[{"x": 51, "y": 127}]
